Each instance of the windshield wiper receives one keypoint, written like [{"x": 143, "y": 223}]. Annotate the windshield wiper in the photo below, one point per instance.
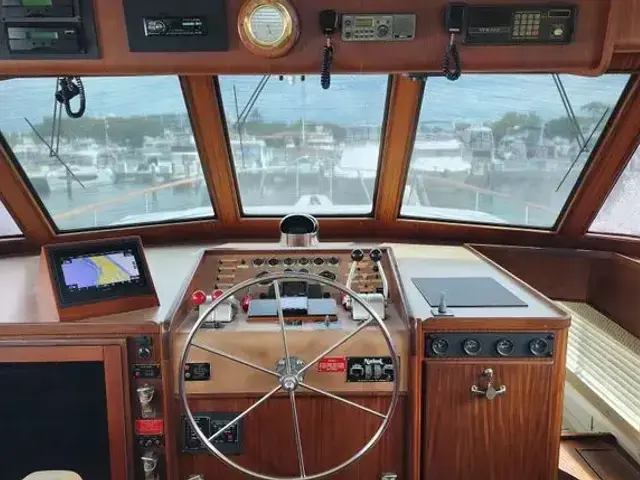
[
  {"x": 584, "y": 147},
  {"x": 53, "y": 153},
  {"x": 569, "y": 109}
]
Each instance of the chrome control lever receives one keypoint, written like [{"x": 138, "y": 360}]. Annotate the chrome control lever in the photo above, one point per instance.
[
  {"x": 357, "y": 256},
  {"x": 376, "y": 256},
  {"x": 491, "y": 392},
  {"x": 145, "y": 396},
  {"x": 149, "y": 465}
]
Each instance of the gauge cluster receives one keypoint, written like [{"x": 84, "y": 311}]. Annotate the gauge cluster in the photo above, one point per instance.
[
  {"x": 494, "y": 344},
  {"x": 333, "y": 265}
]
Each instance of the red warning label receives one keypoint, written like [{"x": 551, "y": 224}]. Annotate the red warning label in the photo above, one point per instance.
[
  {"x": 332, "y": 365},
  {"x": 149, "y": 427}
]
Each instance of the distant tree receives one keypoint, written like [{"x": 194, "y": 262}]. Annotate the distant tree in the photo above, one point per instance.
[
  {"x": 595, "y": 109},
  {"x": 560, "y": 127},
  {"x": 511, "y": 120}
]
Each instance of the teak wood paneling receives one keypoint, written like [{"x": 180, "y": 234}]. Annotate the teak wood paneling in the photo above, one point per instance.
[
  {"x": 557, "y": 273},
  {"x": 614, "y": 289},
  {"x": 404, "y": 105},
  {"x": 512, "y": 436},
  {"x": 331, "y": 432},
  {"x": 628, "y": 20},
  {"x": 589, "y": 53}
]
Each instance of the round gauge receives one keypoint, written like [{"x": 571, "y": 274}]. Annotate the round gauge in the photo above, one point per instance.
[
  {"x": 504, "y": 347},
  {"x": 328, "y": 274},
  {"x": 258, "y": 262},
  {"x": 471, "y": 346},
  {"x": 303, "y": 261},
  {"x": 288, "y": 270},
  {"x": 333, "y": 261},
  {"x": 273, "y": 262},
  {"x": 439, "y": 346},
  {"x": 318, "y": 261},
  {"x": 268, "y": 27},
  {"x": 538, "y": 346},
  {"x": 289, "y": 261},
  {"x": 303, "y": 270}
]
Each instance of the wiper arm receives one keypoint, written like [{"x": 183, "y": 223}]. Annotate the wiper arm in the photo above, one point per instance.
[
  {"x": 242, "y": 118},
  {"x": 584, "y": 147},
  {"x": 54, "y": 153},
  {"x": 569, "y": 109}
]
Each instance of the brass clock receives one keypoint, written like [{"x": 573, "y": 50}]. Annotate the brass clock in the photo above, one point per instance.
[{"x": 269, "y": 28}]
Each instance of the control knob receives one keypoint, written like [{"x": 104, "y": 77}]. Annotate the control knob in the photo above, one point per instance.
[
  {"x": 144, "y": 353},
  {"x": 387, "y": 371},
  {"x": 357, "y": 255},
  {"x": 156, "y": 26},
  {"x": 383, "y": 31},
  {"x": 376, "y": 254}
]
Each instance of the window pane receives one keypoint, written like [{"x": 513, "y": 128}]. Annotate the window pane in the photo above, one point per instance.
[
  {"x": 501, "y": 148},
  {"x": 130, "y": 159},
  {"x": 297, "y": 147},
  {"x": 8, "y": 227},
  {"x": 620, "y": 213}
]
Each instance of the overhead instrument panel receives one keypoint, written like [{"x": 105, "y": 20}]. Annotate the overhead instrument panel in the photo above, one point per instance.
[
  {"x": 170, "y": 26},
  {"x": 269, "y": 28},
  {"x": 520, "y": 24},
  {"x": 47, "y": 29}
]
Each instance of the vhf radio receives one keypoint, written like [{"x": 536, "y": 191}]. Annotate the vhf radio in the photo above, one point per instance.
[{"x": 378, "y": 27}]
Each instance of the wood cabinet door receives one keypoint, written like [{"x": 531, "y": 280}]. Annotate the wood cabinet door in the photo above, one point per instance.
[
  {"x": 471, "y": 437},
  {"x": 111, "y": 353}
]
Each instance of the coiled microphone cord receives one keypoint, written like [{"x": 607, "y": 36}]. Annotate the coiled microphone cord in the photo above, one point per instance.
[
  {"x": 71, "y": 87},
  {"x": 451, "y": 64},
  {"x": 327, "y": 60}
]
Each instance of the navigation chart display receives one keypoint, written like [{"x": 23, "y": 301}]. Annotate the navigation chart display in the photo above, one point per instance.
[
  {"x": 92, "y": 272},
  {"x": 100, "y": 271}
]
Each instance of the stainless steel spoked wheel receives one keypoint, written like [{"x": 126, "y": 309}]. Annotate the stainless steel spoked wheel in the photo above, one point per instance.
[{"x": 289, "y": 376}]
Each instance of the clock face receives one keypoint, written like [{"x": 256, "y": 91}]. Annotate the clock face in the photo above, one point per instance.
[{"x": 269, "y": 24}]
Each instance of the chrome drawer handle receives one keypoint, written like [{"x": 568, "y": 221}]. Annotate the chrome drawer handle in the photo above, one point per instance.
[{"x": 490, "y": 392}]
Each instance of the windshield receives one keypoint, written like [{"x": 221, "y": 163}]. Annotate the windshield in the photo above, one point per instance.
[
  {"x": 131, "y": 159},
  {"x": 8, "y": 227},
  {"x": 620, "y": 213},
  {"x": 505, "y": 149},
  {"x": 297, "y": 147}
]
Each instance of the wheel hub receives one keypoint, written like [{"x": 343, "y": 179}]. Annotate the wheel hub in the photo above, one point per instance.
[{"x": 289, "y": 383}]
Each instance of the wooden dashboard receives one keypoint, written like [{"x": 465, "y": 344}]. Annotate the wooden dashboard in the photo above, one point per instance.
[{"x": 436, "y": 413}]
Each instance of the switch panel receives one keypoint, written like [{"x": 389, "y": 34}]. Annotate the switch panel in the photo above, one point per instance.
[
  {"x": 370, "y": 369},
  {"x": 230, "y": 442}
]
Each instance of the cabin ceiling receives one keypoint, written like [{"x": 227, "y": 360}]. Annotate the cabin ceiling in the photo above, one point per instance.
[{"x": 405, "y": 138}]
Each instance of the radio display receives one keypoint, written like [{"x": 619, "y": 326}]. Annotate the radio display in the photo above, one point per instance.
[
  {"x": 98, "y": 271},
  {"x": 364, "y": 22},
  {"x": 37, "y": 3}
]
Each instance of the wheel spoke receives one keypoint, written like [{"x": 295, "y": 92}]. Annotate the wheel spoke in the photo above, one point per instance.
[
  {"x": 276, "y": 288},
  {"x": 244, "y": 414},
  {"x": 340, "y": 399},
  {"x": 233, "y": 358},
  {"x": 296, "y": 430},
  {"x": 335, "y": 345}
]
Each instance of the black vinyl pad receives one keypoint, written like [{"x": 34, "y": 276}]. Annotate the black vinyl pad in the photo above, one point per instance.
[{"x": 467, "y": 292}]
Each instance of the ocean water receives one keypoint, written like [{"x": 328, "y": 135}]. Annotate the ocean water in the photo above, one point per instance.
[{"x": 353, "y": 100}]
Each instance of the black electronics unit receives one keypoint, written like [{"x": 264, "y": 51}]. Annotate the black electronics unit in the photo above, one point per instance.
[
  {"x": 93, "y": 272},
  {"x": 230, "y": 442},
  {"x": 519, "y": 24},
  {"x": 176, "y": 26},
  {"x": 47, "y": 29}
]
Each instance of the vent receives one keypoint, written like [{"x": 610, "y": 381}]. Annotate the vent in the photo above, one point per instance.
[{"x": 606, "y": 359}]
